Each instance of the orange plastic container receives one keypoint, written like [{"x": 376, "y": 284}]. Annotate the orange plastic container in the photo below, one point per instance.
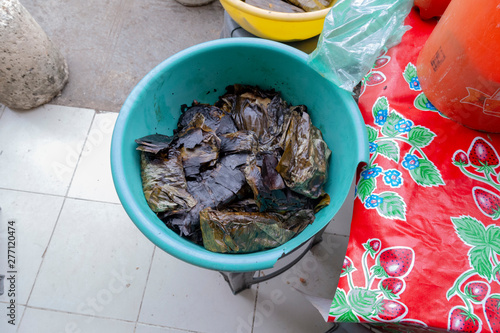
[
  {"x": 459, "y": 66},
  {"x": 431, "y": 8}
]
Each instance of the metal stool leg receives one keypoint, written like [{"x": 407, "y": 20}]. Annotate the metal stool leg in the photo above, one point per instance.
[
  {"x": 318, "y": 237},
  {"x": 239, "y": 281},
  {"x": 333, "y": 328}
]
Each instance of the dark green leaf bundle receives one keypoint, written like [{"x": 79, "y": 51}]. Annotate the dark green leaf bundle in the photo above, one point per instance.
[{"x": 243, "y": 175}]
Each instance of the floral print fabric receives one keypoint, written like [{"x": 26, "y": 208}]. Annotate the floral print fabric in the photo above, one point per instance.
[{"x": 424, "y": 248}]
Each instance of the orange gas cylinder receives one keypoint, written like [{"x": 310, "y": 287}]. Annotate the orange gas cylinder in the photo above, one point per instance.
[{"x": 459, "y": 66}]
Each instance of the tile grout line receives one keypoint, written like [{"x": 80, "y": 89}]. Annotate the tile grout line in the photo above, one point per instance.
[
  {"x": 97, "y": 201},
  {"x": 64, "y": 201},
  {"x": 255, "y": 303},
  {"x": 77, "y": 314},
  {"x": 80, "y": 155},
  {"x": 55, "y": 224},
  {"x": 41, "y": 263},
  {"x": 60, "y": 196},
  {"x": 32, "y": 192},
  {"x": 175, "y": 328},
  {"x": 145, "y": 287},
  {"x": 104, "y": 318}
]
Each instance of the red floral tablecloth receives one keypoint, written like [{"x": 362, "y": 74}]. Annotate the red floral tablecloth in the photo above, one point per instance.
[{"x": 425, "y": 236}]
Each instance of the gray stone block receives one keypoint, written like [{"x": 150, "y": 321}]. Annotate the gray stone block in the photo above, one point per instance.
[{"x": 32, "y": 70}]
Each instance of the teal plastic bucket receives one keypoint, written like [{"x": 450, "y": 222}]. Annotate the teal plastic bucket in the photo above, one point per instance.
[{"x": 201, "y": 73}]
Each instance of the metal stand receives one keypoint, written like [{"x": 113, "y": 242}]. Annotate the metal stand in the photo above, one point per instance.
[
  {"x": 239, "y": 281},
  {"x": 333, "y": 328}
]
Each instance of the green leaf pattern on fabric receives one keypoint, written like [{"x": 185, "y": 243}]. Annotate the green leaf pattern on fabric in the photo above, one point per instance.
[
  {"x": 420, "y": 136},
  {"x": 402, "y": 142},
  {"x": 380, "y": 294},
  {"x": 470, "y": 230},
  {"x": 363, "y": 301},
  {"x": 410, "y": 72},
  {"x": 479, "y": 259},
  {"x": 389, "y": 149},
  {"x": 365, "y": 188},
  {"x": 339, "y": 304},
  {"x": 389, "y": 128},
  {"x": 372, "y": 133},
  {"x": 493, "y": 238},
  {"x": 485, "y": 243},
  {"x": 392, "y": 206},
  {"x": 348, "y": 317},
  {"x": 380, "y": 104},
  {"x": 426, "y": 174}
]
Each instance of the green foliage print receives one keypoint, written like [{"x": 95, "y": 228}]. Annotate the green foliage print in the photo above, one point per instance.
[{"x": 393, "y": 134}]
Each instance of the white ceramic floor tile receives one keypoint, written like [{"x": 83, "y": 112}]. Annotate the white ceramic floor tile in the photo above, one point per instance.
[
  {"x": 97, "y": 263},
  {"x": 40, "y": 147},
  {"x": 92, "y": 178},
  {"x": 281, "y": 308},
  {"x": 341, "y": 222},
  {"x": 10, "y": 318},
  {"x": 187, "y": 297},
  {"x": 46, "y": 321},
  {"x": 144, "y": 328},
  {"x": 318, "y": 272},
  {"x": 34, "y": 217}
]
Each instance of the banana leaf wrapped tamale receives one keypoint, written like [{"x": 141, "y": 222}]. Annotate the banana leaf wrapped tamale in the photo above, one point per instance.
[
  {"x": 239, "y": 142},
  {"x": 272, "y": 195},
  {"x": 217, "y": 119},
  {"x": 290, "y": 6},
  {"x": 213, "y": 188},
  {"x": 304, "y": 163},
  {"x": 198, "y": 145},
  {"x": 260, "y": 111},
  {"x": 243, "y": 232},
  {"x": 275, "y": 6},
  {"x": 163, "y": 181},
  {"x": 267, "y": 195},
  {"x": 311, "y": 5},
  {"x": 242, "y": 175}
]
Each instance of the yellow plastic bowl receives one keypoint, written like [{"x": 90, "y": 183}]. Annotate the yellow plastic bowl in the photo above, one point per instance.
[{"x": 283, "y": 27}]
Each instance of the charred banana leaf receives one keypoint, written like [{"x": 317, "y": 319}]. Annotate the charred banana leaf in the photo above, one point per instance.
[
  {"x": 216, "y": 187},
  {"x": 198, "y": 145},
  {"x": 311, "y": 5},
  {"x": 252, "y": 109},
  {"x": 269, "y": 200},
  {"x": 241, "y": 176},
  {"x": 275, "y": 5},
  {"x": 245, "y": 232},
  {"x": 304, "y": 163},
  {"x": 239, "y": 142},
  {"x": 217, "y": 119},
  {"x": 164, "y": 184},
  {"x": 242, "y": 205},
  {"x": 154, "y": 143}
]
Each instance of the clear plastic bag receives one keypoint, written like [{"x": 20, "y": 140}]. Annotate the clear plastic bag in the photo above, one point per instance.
[{"x": 354, "y": 34}]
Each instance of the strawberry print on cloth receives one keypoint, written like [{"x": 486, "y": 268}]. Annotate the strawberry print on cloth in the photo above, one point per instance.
[
  {"x": 424, "y": 247},
  {"x": 374, "y": 76}
]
